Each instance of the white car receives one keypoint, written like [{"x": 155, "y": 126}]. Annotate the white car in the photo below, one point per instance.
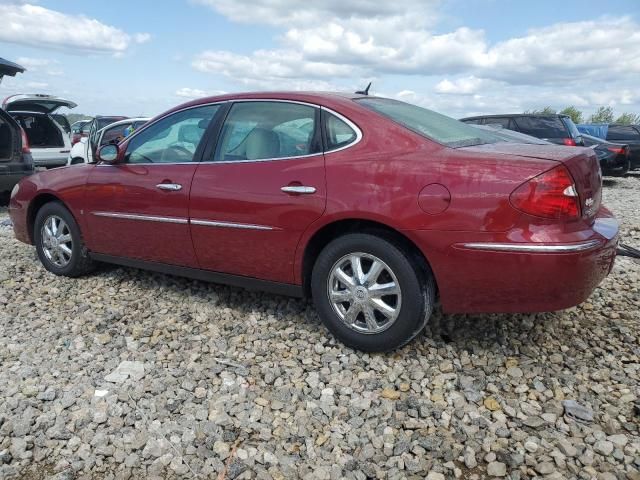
[
  {"x": 49, "y": 141},
  {"x": 113, "y": 132}
]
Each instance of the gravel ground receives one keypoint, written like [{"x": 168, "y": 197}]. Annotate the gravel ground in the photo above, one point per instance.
[{"x": 128, "y": 374}]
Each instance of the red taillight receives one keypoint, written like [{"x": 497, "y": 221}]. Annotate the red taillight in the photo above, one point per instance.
[
  {"x": 25, "y": 142},
  {"x": 549, "y": 195},
  {"x": 618, "y": 150},
  {"x": 570, "y": 142},
  {"x": 75, "y": 138}
]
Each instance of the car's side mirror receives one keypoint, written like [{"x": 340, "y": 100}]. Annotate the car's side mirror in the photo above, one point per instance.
[{"x": 108, "y": 154}]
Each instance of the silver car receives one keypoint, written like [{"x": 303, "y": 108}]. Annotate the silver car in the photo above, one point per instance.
[{"x": 49, "y": 142}]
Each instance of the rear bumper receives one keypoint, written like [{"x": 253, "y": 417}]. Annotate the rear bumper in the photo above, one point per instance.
[
  {"x": 615, "y": 167},
  {"x": 507, "y": 277}
]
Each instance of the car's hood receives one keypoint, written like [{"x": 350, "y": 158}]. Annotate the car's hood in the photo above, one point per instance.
[{"x": 35, "y": 102}]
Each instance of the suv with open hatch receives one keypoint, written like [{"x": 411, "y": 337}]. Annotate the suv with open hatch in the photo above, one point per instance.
[{"x": 49, "y": 140}]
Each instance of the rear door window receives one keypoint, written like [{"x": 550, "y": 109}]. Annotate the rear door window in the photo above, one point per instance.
[
  {"x": 268, "y": 130},
  {"x": 542, "y": 127},
  {"x": 620, "y": 132}
]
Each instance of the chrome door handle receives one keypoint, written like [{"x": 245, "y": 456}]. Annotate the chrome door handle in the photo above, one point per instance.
[
  {"x": 299, "y": 189},
  {"x": 173, "y": 187}
]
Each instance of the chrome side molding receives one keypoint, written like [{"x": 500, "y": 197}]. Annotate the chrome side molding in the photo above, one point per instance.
[
  {"x": 532, "y": 247},
  {"x": 146, "y": 218},
  {"x": 205, "y": 223},
  {"x": 245, "y": 226}
]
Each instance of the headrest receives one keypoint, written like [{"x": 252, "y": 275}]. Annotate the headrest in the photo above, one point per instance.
[{"x": 262, "y": 143}]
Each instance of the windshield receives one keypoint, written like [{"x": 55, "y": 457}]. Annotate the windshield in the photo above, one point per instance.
[{"x": 435, "y": 126}]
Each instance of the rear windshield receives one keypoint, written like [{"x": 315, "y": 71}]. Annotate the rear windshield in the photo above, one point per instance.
[
  {"x": 435, "y": 126},
  {"x": 542, "y": 127}
]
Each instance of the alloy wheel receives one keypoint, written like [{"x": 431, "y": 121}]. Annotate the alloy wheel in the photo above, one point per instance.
[
  {"x": 57, "y": 243},
  {"x": 364, "y": 293}
]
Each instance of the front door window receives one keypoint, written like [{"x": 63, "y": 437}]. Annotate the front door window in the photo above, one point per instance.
[{"x": 173, "y": 139}]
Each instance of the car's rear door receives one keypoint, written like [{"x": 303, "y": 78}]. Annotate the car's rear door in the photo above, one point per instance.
[
  {"x": 139, "y": 207},
  {"x": 256, "y": 192}
]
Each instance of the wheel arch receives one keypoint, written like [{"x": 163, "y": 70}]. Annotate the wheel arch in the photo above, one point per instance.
[
  {"x": 321, "y": 238},
  {"x": 35, "y": 205}
]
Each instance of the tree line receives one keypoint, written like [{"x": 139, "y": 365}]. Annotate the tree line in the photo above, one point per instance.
[{"x": 602, "y": 115}]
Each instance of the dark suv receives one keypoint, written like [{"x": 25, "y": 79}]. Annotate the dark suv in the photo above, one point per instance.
[
  {"x": 554, "y": 128},
  {"x": 15, "y": 156},
  {"x": 630, "y": 135}
]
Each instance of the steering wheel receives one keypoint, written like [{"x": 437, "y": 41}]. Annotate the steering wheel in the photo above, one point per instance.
[{"x": 178, "y": 150}]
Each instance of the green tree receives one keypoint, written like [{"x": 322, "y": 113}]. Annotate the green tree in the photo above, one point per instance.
[
  {"x": 602, "y": 115},
  {"x": 74, "y": 117},
  {"x": 574, "y": 113},
  {"x": 543, "y": 111},
  {"x": 628, "y": 119}
]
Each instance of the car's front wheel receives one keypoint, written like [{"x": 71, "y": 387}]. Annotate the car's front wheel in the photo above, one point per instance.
[
  {"x": 370, "y": 293},
  {"x": 59, "y": 243}
]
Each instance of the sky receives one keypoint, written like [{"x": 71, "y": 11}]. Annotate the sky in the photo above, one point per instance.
[{"x": 458, "y": 57}]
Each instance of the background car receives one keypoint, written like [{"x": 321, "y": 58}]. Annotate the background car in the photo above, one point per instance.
[
  {"x": 77, "y": 132},
  {"x": 112, "y": 133},
  {"x": 90, "y": 144},
  {"x": 614, "y": 158},
  {"x": 15, "y": 156},
  {"x": 624, "y": 134},
  {"x": 363, "y": 203},
  {"x": 554, "y": 128},
  {"x": 49, "y": 142},
  {"x": 511, "y": 135}
]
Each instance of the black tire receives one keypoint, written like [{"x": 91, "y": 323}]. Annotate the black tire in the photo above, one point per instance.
[
  {"x": 415, "y": 300},
  {"x": 77, "y": 160},
  {"x": 79, "y": 263}
]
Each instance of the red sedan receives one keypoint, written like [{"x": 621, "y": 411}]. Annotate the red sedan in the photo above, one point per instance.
[{"x": 371, "y": 206}]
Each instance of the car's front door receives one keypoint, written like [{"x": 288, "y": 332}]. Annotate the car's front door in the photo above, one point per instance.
[
  {"x": 256, "y": 193},
  {"x": 139, "y": 207}
]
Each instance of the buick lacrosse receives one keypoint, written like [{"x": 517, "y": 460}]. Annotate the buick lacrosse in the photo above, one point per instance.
[{"x": 375, "y": 208}]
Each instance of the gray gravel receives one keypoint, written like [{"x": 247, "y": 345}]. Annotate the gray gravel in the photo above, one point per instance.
[{"x": 128, "y": 374}]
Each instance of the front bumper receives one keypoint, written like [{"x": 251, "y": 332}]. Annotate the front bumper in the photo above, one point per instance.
[{"x": 507, "y": 277}]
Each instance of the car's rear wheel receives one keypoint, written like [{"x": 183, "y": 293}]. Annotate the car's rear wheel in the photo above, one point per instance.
[
  {"x": 370, "y": 293},
  {"x": 59, "y": 243},
  {"x": 77, "y": 160}
]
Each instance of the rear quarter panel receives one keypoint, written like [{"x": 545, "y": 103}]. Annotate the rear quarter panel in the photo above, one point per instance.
[{"x": 381, "y": 177}]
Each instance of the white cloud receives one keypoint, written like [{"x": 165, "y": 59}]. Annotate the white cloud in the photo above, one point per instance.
[
  {"x": 460, "y": 86},
  {"x": 359, "y": 37},
  {"x": 303, "y": 12},
  {"x": 41, "y": 65},
  {"x": 192, "y": 93},
  {"x": 40, "y": 27},
  {"x": 37, "y": 85}
]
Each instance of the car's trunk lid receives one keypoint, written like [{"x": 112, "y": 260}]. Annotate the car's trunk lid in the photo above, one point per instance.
[
  {"x": 36, "y": 102},
  {"x": 582, "y": 164}
]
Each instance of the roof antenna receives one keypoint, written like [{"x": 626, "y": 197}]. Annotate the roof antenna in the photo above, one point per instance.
[{"x": 365, "y": 91}]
